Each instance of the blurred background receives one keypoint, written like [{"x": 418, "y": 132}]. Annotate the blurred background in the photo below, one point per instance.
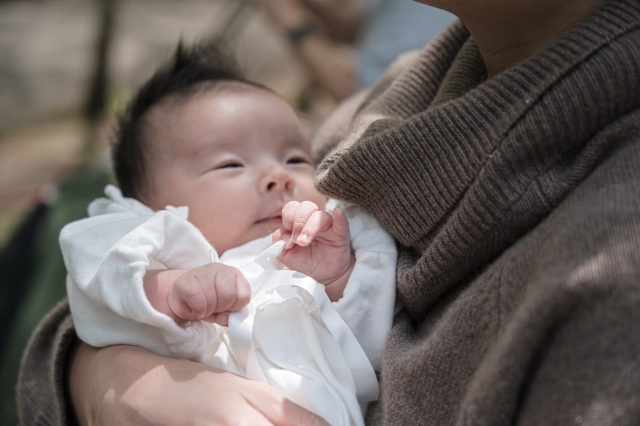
[{"x": 67, "y": 67}]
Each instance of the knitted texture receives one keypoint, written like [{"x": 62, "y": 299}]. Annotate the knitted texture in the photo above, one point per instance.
[
  {"x": 516, "y": 208},
  {"x": 42, "y": 396},
  {"x": 517, "y": 144}
]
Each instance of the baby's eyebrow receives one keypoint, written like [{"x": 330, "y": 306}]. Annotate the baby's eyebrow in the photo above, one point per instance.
[{"x": 209, "y": 148}]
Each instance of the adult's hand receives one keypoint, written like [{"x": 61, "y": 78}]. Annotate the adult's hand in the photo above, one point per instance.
[{"x": 127, "y": 385}]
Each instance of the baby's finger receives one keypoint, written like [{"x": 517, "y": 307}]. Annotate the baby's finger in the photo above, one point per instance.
[
  {"x": 220, "y": 318},
  {"x": 243, "y": 293},
  {"x": 188, "y": 299},
  {"x": 277, "y": 236},
  {"x": 319, "y": 222},
  {"x": 288, "y": 213},
  {"x": 302, "y": 215},
  {"x": 340, "y": 223},
  {"x": 232, "y": 289},
  {"x": 282, "y": 235}
]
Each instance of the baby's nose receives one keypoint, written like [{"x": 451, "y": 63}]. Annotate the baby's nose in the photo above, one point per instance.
[{"x": 277, "y": 178}]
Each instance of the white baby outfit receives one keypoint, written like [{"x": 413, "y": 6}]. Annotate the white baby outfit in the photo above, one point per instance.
[{"x": 319, "y": 354}]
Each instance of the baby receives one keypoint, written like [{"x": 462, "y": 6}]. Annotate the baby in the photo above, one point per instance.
[{"x": 234, "y": 155}]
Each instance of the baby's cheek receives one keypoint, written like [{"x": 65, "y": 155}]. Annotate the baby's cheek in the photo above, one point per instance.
[
  {"x": 221, "y": 234},
  {"x": 311, "y": 194}
]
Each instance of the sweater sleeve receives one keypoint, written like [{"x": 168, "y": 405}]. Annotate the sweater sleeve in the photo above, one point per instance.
[
  {"x": 368, "y": 302},
  {"x": 41, "y": 394},
  {"x": 107, "y": 256}
]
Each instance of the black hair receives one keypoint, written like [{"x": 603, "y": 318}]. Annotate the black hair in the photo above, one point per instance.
[{"x": 192, "y": 69}]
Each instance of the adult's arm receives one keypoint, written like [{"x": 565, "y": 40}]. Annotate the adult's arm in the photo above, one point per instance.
[{"x": 66, "y": 382}]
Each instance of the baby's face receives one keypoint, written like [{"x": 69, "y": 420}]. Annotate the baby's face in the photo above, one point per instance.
[{"x": 235, "y": 159}]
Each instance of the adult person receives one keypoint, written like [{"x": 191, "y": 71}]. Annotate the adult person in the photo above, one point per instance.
[
  {"x": 362, "y": 37},
  {"x": 506, "y": 164}
]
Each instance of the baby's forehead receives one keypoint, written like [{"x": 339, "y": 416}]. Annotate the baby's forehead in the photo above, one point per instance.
[
  {"x": 171, "y": 105},
  {"x": 223, "y": 120}
]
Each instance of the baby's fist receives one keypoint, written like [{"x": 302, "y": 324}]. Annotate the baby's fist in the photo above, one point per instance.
[{"x": 209, "y": 293}]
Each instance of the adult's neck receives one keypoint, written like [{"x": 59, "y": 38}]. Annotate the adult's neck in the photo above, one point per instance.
[{"x": 509, "y": 31}]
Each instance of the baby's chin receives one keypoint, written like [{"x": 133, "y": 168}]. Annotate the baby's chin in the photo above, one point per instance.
[{"x": 254, "y": 234}]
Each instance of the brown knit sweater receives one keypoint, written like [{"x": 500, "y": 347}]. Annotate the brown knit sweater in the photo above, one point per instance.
[
  {"x": 515, "y": 202},
  {"x": 516, "y": 206}
]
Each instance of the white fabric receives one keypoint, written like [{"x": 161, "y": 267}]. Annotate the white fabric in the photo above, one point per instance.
[{"x": 318, "y": 354}]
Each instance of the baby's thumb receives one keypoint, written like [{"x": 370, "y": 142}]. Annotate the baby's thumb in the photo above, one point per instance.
[
  {"x": 220, "y": 318},
  {"x": 340, "y": 223}
]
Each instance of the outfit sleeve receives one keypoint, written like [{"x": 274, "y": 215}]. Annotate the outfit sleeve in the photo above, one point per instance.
[
  {"x": 369, "y": 297},
  {"x": 107, "y": 256}
]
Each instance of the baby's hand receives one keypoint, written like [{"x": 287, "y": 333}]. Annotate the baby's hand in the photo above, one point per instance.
[
  {"x": 208, "y": 293},
  {"x": 317, "y": 244}
]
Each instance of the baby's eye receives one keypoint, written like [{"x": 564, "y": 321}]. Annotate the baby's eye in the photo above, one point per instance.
[
  {"x": 297, "y": 160},
  {"x": 229, "y": 166}
]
